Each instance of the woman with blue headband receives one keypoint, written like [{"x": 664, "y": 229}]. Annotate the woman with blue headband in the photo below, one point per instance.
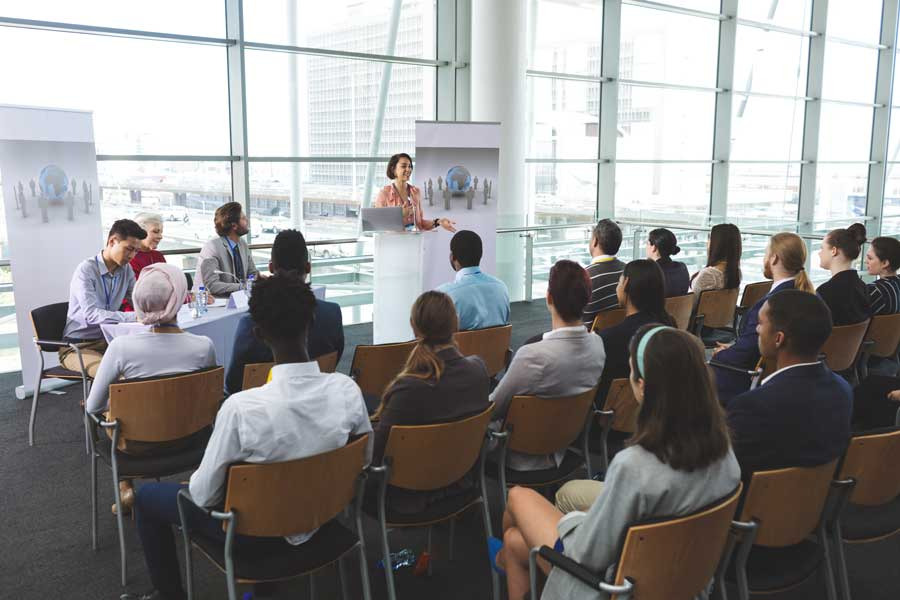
[{"x": 678, "y": 461}]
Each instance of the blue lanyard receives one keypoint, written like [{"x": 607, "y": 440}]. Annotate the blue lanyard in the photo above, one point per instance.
[{"x": 103, "y": 281}]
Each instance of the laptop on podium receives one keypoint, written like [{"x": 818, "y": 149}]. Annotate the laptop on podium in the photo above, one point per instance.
[{"x": 389, "y": 218}]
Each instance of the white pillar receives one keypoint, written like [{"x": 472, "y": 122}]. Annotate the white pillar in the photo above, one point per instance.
[{"x": 499, "y": 61}]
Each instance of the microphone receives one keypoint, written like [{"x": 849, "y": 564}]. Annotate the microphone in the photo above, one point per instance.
[{"x": 229, "y": 274}]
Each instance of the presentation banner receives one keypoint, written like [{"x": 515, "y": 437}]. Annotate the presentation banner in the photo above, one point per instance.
[
  {"x": 457, "y": 166},
  {"x": 48, "y": 170}
]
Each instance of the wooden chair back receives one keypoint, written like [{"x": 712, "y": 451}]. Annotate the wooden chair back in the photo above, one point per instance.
[
  {"x": 430, "y": 457},
  {"x": 490, "y": 344},
  {"x": 620, "y": 399},
  {"x": 754, "y": 292},
  {"x": 48, "y": 323},
  {"x": 676, "y": 558},
  {"x": 842, "y": 346},
  {"x": 166, "y": 408},
  {"x": 717, "y": 308},
  {"x": 256, "y": 374},
  {"x": 872, "y": 461},
  {"x": 546, "y": 425},
  {"x": 787, "y": 503},
  {"x": 884, "y": 331},
  {"x": 285, "y": 498},
  {"x": 608, "y": 318},
  {"x": 680, "y": 309},
  {"x": 374, "y": 367}
]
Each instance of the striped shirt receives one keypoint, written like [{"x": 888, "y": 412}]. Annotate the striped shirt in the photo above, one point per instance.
[
  {"x": 604, "y": 272},
  {"x": 884, "y": 295}
]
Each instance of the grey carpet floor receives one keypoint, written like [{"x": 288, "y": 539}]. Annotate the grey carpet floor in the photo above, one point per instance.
[{"x": 45, "y": 549}]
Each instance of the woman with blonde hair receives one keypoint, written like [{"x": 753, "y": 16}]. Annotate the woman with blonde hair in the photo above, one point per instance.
[
  {"x": 785, "y": 264},
  {"x": 437, "y": 385}
]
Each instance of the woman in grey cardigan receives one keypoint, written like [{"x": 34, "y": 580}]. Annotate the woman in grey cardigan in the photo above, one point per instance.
[{"x": 678, "y": 461}]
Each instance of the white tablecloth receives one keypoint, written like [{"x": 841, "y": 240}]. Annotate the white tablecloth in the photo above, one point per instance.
[{"x": 218, "y": 324}]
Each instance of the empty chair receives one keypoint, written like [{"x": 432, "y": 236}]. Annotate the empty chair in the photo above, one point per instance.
[
  {"x": 374, "y": 367},
  {"x": 608, "y": 318},
  {"x": 619, "y": 414},
  {"x": 256, "y": 374},
  {"x": 753, "y": 293},
  {"x": 671, "y": 558},
  {"x": 491, "y": 344},
  {"x": 258, "y": 503},
  {"x": 542, "y": 426},
  {"x": 154, "y": 411},
  {"x": 872, "y": 510},
  {"x": 882, "y": 340},
  {"x": 48, "y": 323},
  {"x": 431, "y": 457},
  {"x": 783, "y": 531},
  {"x": 842, "y": 348},
  {"x": 715, "y": 309},
  {"x": 680, "y": 309}
]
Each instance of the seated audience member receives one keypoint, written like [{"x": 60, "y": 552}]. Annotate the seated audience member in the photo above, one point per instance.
[
  {"x": 567, "y": 361},
  {"x": 163, "y": 350},
  {"x": 875, "y": 402},
  {"x": 799, "y": 416},
  {"x": 783, "y": 263},
  {"x": 845, "y": 293},
  {"x": 300, "y": 413},
  {"x": 678, "y": 462},
  {"x": 326, "y": 333},
  {"x": 640, "y": 291},
  {"x": 883, "y": 261},
  {"x": 437, "y": 385},
  {"x": 723, "y": 263},
  {"x": 98, "y": 287},
  {"x": 661, "y": 247},
  {"x": 481, "y": 300},
  {"x": 604, "y": 269},
  {"x": 225, "y": 261},
  {"x": 148, "y": 254}
]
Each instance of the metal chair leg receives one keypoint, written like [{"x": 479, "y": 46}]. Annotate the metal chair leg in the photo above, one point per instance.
[
  {"x": 119, "y": 520},
  {"x": 342, "y": 576},
  {"x": 312, "y": 586},
  {"x": 94, "y": 502},
  {"x": 430, "y": 552},
  {"x": 34, "y": 404},
  {"x": 488, "y": 533},
  {"x": 829, "y": 569},
  {"x": 188, "y": 548},
  {"x": 388, "y": 568},
  {"x": 841, "y": 561}
]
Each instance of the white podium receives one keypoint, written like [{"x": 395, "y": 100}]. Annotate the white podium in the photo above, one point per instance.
[{"x": 398, "y": 282}]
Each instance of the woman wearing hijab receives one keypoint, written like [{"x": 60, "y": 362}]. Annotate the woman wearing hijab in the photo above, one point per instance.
[{"x": 164, "y": 349}]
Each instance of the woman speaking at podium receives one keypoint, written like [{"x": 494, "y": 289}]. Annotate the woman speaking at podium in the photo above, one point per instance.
[{"x": 402, "y": 193}]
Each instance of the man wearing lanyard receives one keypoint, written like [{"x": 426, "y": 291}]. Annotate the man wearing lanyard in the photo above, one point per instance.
[
  {"x": 98, "y": 287},
  {"x": 225, "y": 261},
  {"x": 604, "y": 270}
]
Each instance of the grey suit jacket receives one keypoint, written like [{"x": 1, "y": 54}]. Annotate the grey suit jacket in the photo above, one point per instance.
[
  {"x": 216, "y": 255},
  {"x": 638, "y": 487}
]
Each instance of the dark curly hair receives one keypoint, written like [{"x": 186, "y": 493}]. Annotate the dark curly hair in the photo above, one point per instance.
[{"x": 282, "y": 307}]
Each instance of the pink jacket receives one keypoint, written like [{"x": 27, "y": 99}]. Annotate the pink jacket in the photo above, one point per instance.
[{"x": 389, "y": 196}]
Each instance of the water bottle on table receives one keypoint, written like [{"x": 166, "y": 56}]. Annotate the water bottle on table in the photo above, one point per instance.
[{"x": 202, "y": 300}]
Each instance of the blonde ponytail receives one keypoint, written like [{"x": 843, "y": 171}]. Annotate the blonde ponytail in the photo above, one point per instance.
[
  {"x": 803, "y": 283},
  {"x": 791, "y": 251}
]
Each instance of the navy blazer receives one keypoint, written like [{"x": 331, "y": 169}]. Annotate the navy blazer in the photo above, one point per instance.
[
  {"x": 325, "y": 336},
  {"x": 798, "y": 418},
  {"x": 744, "y": 353}
]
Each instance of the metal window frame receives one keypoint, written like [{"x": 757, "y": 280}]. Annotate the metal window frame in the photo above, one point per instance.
[{"x": 721, "y": 150}]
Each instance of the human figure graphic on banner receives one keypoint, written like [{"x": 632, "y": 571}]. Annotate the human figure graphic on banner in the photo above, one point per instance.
[
  {"x": 429, "y": 192},
  {"x": 446, "y": 199},
  {"x": 475, "y": 183},
  {"x": 470, "y": 194},
  {"x": 20, "y": 200},
  {"x": 32, "y": 184},
  {"x": 86, "y": 196},
  {"x": 440, "y": 183}
]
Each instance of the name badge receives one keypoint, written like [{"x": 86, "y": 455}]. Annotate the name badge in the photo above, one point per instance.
[{"x": 238, "y": 299}]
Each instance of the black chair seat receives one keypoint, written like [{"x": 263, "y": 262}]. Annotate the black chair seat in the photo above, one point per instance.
[
  {"x": 183, "y": 459},
  {"x": 860, "y": 523},
  {"x": 61, "y": 373},
  {"x": 570, "y": 463},
  {"x": 269, "y": 559},
  {"x": 438, "y": 511},
  {"x": 772, "y": 569}
]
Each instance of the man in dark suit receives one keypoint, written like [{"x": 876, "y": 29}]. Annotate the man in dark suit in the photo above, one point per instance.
[
  {"x": 800, "y": 415},
  {"x": 289, "y": 253}
]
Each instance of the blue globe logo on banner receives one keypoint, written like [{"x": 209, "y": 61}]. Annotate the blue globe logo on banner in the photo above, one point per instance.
[
  {"x": 54, "y": 182},
  {"x": 459, "y": 180}
]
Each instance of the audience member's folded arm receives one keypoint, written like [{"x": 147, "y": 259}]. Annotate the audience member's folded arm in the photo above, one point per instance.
[{"x": 207, "y": 485}]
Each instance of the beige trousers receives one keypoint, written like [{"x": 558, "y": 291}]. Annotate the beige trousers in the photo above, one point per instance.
[
  {"x": 578, "y": 494},
  {"x": 91, "y": 354}
]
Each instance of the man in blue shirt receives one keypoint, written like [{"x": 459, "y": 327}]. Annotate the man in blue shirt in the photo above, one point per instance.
[
  {"x": 326, "y": 335},
  {"x": 481, "y": 300}
]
